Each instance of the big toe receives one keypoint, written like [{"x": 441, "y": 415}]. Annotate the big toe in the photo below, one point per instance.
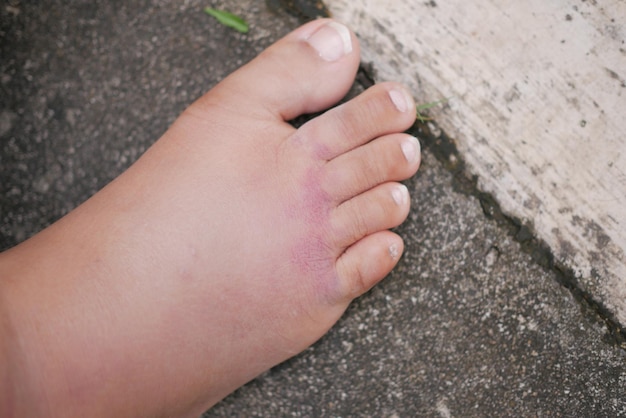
[{"x": 307, "y": 71}]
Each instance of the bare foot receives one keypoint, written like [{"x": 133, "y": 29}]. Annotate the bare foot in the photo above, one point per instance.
[{"x": 234, "y": 243}]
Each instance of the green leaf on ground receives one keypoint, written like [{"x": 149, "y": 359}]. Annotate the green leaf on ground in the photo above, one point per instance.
[
  {"x": 228, "y": 19},
  {"x": 426, "y": 106}
]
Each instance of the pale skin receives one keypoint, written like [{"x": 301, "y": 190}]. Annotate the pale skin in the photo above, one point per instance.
[{"x": 232, "y": 244}]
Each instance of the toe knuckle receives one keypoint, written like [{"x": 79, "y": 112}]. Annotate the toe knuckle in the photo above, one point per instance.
[
  {"x": 358, "y": 283},
  {"x": 354, "y": 282},
  {"x": 359, "y": 226}
]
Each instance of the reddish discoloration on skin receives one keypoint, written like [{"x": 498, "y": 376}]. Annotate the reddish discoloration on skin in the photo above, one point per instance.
[
  {"x": 313, "y": 255},
  {"x": 318, "y": 150}
]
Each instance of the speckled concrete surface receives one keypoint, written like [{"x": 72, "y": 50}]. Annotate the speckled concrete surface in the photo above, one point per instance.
[{"x": 467, "y": 325}]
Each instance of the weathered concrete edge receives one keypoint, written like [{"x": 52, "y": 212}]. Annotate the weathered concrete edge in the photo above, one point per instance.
[
  {"x": 444, "y": 149},
  {"x": 594, "y": 275}
]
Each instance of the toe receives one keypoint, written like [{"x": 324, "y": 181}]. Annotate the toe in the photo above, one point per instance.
[
  {"x": 365, "y": 263},
  {"x": 383, "y": 207},
  {"x": 307, "y": 71},
  {"x": 385, "y": 108},
  {"x": 390, "y": 158}
]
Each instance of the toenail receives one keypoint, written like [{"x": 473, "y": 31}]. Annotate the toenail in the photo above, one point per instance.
[
  {"x": 400, "y": 194},
  {"x": 393, "y": 251},
  {"x": 332, "y": 41},
  {"x": 401, "y": 100},
  {"x": 410, "y": 149}
]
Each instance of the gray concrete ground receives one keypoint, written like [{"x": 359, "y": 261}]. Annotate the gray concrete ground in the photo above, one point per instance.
[{"x": 469, "y": 324}]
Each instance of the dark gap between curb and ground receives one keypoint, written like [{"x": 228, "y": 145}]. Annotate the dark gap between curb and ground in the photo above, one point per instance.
[{"x": 445, "y": 150}]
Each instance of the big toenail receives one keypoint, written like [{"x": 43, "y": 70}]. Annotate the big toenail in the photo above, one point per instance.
[
  {"x": 410, "y": 148},
  {"x": 332, "y": 41},
  {"x": 401, "y": 99},
  {"x": 400, "y": 194}
]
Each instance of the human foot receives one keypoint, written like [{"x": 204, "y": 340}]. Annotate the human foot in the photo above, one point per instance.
[{"x": 234, "y": 243}]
